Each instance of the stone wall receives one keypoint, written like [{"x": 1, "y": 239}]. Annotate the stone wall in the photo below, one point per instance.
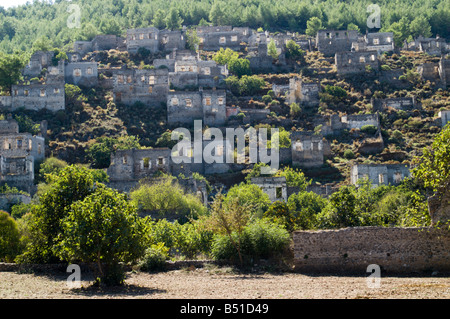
[
  {"x": 403, "y": 250},
  {"x": 356, "y": 62}
]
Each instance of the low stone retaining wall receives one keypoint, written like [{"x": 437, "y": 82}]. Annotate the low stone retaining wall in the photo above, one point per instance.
[{"x": 395, "y": 250}]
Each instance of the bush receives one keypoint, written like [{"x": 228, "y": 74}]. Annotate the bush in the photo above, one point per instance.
[
  {"x": 369, "y": 129},
  {"x": 154, "y": 258},
  {"x": 260, "y": 240},
  {"x": 267, "y": 99},
  {"x": 348, "y": 154},
  {"x": 9, "y": 238}
]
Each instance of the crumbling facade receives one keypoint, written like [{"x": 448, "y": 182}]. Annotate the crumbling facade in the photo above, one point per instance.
[
  {"x": 274, "y": 187},
  {"x": 432, "y": 46},
  {"x": 206, "y": 105},
  {"x": 306, "y": 94},
  {"x": 18, "y": 153},
  {"x": 330, "y": 42},
  {"x": 154, "y": 40},
  {"x": 356, "y": 62},
  {"x": 400, "y": 103},
  {"x": 379, "y": 41},
  {"x": 148, "y": 86},
  {"x": 213, "y": 38},
  {"x": 81, "y": 73},
  {"x": 308, "y": 149},
  {"x": 379, "y": 174}
]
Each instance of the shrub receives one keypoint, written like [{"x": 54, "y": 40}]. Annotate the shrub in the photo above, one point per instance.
[
  {"x": 369, "y": 129},
  {"x": 260, "y": 240},
  {"x": 348, "y": 154},
  {"x": 9, "y": 238},
  {"x": 154, "y": 258},
  {"x": 266, "y": 98}
]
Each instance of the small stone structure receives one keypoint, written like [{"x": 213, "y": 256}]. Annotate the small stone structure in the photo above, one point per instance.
[
  {"x": 432, "y": 46},
  {"x": 304, "y": 93},
  {"x": 444, "y": 115},
  {"x": 378, "y": 41},
  {"x": 213, "y": 38},
  {"x": 7, "y": 200},
  {"x": 356, "y": 62},
  {"x": 334, "y": 124},
  {"x": 330, "y": 42},
  {"x": 187, "y": 106},
  {"x": 154, "y": 40},
  {"x": 436, "y": 72},
  {"x": 308, "y": 149},
  {"x": 275, "y": 187},
  {"x": 400, "y": 103},
  {"x": 38, "y": 95},
  {"x": 352, "y": 250},
  {"x": 379, "y": 174},
  {"x": 18, "y": 153},
  {"x": 149, "y": 86},
  {"x": 81, "y": 73}
]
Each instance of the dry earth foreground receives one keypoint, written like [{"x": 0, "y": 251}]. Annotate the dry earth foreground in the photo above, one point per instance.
[{"x": 224, "y": 283}]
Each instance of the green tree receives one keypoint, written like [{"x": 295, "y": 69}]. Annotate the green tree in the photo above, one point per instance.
[
  {"x": 224, "y": 56},
  {"x": 192, "y": 39},
  {"x": 103, "y": 228},
  {"x": 167, "y": 197},
  {"x": 272, "y": 49},
  {"x": 159, "y": 18},
  {"x": 340, "y": 211},
  {"x": 239, "y": 66},
  {"x": 10, "y": 70},
  {"x": 100, "y": 152},
  {"x": 313, "y": 25},
  {"x": 9, "y": 238},
  {"x": 173, "y": 19},
  {"x": 305, "y": 208},
  {"x": 216, "y": 14},
  {"x": 294, "y": 52},
  {"x": 420, "y": 27},
  {"x": 249, "y": 195},
  {"x": 294, "y": 178},
  {"x": 42, "y": 44},
  {"x": 72, "y": 184}
]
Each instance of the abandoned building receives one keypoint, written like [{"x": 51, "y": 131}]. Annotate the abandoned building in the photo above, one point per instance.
[
  {"x": 213, "y": 38},
  {"x": 379, "y": 174},
  {"x": 99, "y": 43},
  {"x": 154, "y": 40},
  {"x": 330, "y": 42},
  {"x": 81, "y": 73},
  {"x": 444, "y": 115},
  {"x": 206, "y": 105},
  {"x": 38, "y": 95},
  {"x": 356, "y": 62},
  {"x": 18, "y": 154},
  {"x": 308, "y": 149},
  {"x": 334, "y": 124},
  {"x": 400, "y": 103},
  {"x": 304, "y": 93},
  {"x": 148, "y": 86},
  {"x": 379, "y": 41},
  {"x": 436, "y": 72},
  {"x": 432, "y": 46},
  {"x": 274, "y": 187},
  {"x": 39, "y": 61}
]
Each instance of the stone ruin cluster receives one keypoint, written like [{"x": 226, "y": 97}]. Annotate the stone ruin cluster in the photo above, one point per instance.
[{"x": 193, "y": 89}]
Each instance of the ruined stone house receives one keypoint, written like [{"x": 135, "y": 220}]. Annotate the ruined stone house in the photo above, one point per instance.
[
  {"x": 379, "y": 174},
  {"x": 100, "y": 42},
  {"x": 330, "y": 42},
  {"x": 154, "y": 40},
  {"x": 187, "y": 106},
  {"x": 18, "y": 154},
  {"x": 436, "y": 72},
  {"x": 432, "y": 46},
  {"x": 81, "y": 73},
  {"x": 400, "y": 103},
  {"x": 213, "y": 38},
  {"x": 308, "y": 149},
  {"x": 378, "y": 41},
  {"x": 38, "y": 95},
  {"x": 148, "y": 86},
  {"x": 356, "y": 62},
  {"x": 274, "y": 187},
  {"x": 334, "y": 124},
  {"x": 304, "y": 93}
]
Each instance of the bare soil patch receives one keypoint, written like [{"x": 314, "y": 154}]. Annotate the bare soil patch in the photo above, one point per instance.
[{"x": 223, "y": 283}]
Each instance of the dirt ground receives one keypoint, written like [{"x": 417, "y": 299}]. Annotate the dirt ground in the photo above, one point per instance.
[{"x": 224, "y": 283}]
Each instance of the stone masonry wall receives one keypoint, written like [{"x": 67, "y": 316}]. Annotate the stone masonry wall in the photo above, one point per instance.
[{"x": 395, "y": 250}]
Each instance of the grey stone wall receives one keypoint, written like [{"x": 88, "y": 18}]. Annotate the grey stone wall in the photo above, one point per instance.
[
  {"x": 395, "y": 250},
  {"x": 330, "y": 42},
  {"x": 36, "y": 96},
  {"x": 356, "y": 62},
  {"x": 81, "y": 73},
  {"x": 379, "y": 174}
]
